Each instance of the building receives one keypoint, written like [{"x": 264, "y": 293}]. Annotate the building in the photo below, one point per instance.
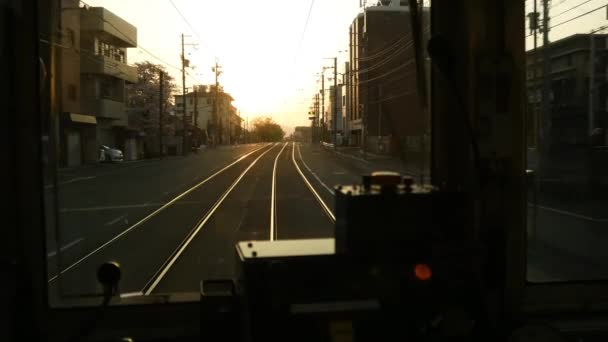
[
  {"x": 570, "y": 120},
  {"x": 94, "y": 71},
  {"x": 77, "y": 130},
  {"x": 200, "y": 115},
  {"x": 303, "y": 134},
  {"x": 384, "y": 108},
  {"x": 577, "y": 114},
  {"x": 335, "y": 109},
  {"x": 346, "y": 104},
  {"x": 104, "y": 40}
]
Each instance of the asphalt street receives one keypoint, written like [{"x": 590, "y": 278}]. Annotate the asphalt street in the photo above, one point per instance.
[
  {"x": 168, "y": 238},
  {"x": 174, "y": 222}
]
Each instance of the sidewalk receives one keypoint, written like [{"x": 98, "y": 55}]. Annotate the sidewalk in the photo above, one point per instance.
[
  {"x": 376, "y": 162},
  {"x": 68, "y": 175}
]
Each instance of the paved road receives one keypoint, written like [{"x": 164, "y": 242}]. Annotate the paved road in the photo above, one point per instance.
[
  {"x": 171, "y": 223},
  {"x": 168, "y": 231}
]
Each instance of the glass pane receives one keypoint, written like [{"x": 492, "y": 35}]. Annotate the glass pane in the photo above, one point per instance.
[
  {"x": 567, "y": 141},
  {"x": 176, "y": 129}
]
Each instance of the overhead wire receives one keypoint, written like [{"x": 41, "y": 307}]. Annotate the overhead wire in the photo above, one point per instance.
[
  {"x": 185, "y": 20},
  {"x": 312, "y": 2},
  {"x": 386, "y": 73},
  {"x": 387, "y": 60},
  {"x": 571, "y": 8},
  {"x": 384, "y": 50},
  {"x": 573, "y": 18},
  {"x": 579, "y": 16}
]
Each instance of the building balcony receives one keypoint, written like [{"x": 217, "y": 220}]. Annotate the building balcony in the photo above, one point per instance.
[
  {"x": 108, "y": 26},
  {"x": 108, "y": 66},
  {"x": 105, "y": 108}
]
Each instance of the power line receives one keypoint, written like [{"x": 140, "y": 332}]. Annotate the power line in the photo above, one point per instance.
[
  {"x": 185, "y": 20},
  {"x": 387, "y": 73},
  {"x": 571, "y": 8},
  {"x": 385, "y": 61},
  {"x": 393, "y": 97},
  {"x": 385, "y": 50},
  {"x": 312, "y": 2},
  {"x": 578, "y": 16},
  {"x": 574, "y": 18},
  {"x": 189, "y": 25}
]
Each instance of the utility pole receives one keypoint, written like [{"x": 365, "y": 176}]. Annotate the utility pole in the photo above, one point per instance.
[
  {"x": 335, "y": 116},
  {"x": 380, "y": 114},
  {"x": 195, "y": 107},
  {"x": 195, "y": 117},
  {"x": 322, "y": 105},
  {"x": 591, "y": 118},
  {"x": 184, "y": 145},
  {"x": 537, "y": 122},
  {"x": 161, "y": 82},
  {"x": 216, "y": 125},
  {"x": 546, "y": 85}
]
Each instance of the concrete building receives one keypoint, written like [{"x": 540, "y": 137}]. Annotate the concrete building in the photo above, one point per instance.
[
  {"x": 346, "y": 104},
  {"x": 104, "y": 40},
  {"x": 384, "y": 108},
  {"x": 335, "y": 109},
  {"x": 94, "y": 70},
  {"x": 77, "y": 130},
  {"x": 303, "y": 134},
  {"x": 577, "y": 118},
  {"x": 570, "y": 120},
  {"x": 199, "y": 110}
]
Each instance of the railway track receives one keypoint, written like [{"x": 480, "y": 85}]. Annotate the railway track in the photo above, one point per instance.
[{"x": 193, "y": 235}]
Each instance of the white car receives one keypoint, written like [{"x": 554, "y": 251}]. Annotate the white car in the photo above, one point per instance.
[{"x": 110, "y": 154}]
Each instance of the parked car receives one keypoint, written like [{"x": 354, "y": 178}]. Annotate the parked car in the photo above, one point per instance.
[{"x": 110, "y": 154}]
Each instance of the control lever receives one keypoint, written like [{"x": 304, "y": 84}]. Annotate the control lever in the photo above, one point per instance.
[{"x": 108, "y": 275}]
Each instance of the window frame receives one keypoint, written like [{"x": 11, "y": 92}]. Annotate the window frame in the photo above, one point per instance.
[{"x": 181, "y": 316}]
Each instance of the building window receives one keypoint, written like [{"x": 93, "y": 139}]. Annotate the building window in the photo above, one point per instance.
[
  {"x": 191, "y": 101},
  {"x": 70, "y": 37},
  {"x": 72, "y": 93},
  {"x": 343, "y": 100}
]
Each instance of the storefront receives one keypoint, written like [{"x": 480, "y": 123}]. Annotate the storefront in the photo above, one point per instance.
[{"x": 78, "y": 143}]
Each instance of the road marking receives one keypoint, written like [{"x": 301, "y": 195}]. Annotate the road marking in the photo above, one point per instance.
[
  {"x": 348, "y": 155},
  {"x": 109, "y": 223},
  {"x": 312, "y": 189},
  {"x": 140, "y": 222},
  {"x": 65, "y": 247},
  {"x": 111, "y": 207},
  {"x": 568, "y": 213},
  {"x": 73, "y": 180},
  {"x": 273, "y": 198},
  {"x": 158, "y": 276},
  {"x": 313, "y": 173}
]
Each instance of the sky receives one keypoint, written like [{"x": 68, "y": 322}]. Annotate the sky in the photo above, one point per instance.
[
  {"x": 562, "y": 11},
  {"x": 269, "y": 59},
  {"x": 269, "y": 62}
]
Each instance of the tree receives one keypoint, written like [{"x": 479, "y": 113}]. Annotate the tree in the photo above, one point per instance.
[
  {"x": 265, "y": 129},
  {"x": 143, "y": 99}
]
